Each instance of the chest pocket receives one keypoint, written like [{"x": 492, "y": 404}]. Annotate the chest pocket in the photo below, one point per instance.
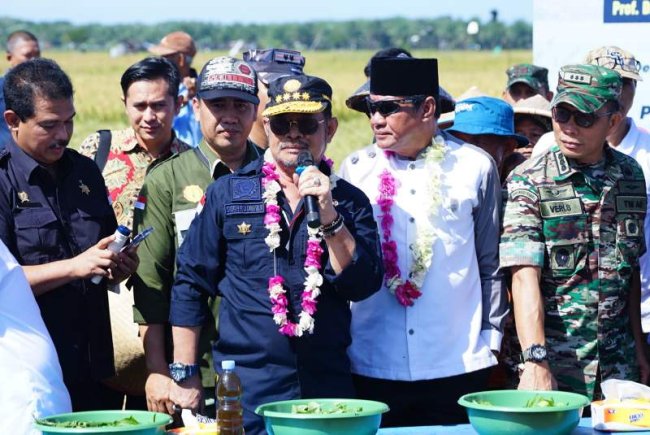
[
  {"x": 566, "y": 245},
  {"x": 36, "y": 235},
  {"x": 246, "y": 247},
  {"x": 96, "y": 218}
]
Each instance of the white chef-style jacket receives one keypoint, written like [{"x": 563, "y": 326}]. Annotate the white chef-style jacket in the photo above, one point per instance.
[
  {"x": 32, "y": 381},
  {"x": 453, "y": 326}
]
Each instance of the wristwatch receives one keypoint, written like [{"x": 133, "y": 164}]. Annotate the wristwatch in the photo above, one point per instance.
[
  {"x": 535, "y": 353},
  {"x": 180, "y": 372}
]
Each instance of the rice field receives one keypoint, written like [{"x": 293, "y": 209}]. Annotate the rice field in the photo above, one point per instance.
[{"x": 96, "y": 79}]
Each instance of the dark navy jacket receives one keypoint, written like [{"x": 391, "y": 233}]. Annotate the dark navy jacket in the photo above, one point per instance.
[
  {"x": 42, "y": 220},
  {"x": 216, "y": 258}
]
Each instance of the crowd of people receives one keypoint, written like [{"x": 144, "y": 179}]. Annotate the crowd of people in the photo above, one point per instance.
[{"x": 476, "y": 243}]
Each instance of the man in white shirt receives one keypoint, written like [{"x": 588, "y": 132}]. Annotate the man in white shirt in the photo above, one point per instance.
[
  {"x": 430, "y": 334},
  {"x": 627, "y": 138},
  {"x": 32, "y": 385}
]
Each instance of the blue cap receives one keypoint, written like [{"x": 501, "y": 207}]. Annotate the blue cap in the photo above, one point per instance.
[
  {"x": 485, "y": 115},
  {"x": 125, "y": 231}
]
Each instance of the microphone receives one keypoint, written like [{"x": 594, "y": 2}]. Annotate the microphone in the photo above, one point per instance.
[{"x": 311, "y": 203}]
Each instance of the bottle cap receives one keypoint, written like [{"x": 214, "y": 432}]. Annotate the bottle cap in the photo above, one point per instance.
[
  {"x": 228, "y": 364},
  {"x": 123, "y": 230}
]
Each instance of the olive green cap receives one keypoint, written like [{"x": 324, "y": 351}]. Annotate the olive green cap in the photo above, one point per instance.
[
  {"x": 587, "y": 87},
  {"x": 534, "y": 76}
]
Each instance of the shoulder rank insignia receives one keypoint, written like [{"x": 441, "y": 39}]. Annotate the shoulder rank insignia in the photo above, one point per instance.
[
  {"x": 244, "y": 228},
  {"x": 84, "y": 189}
]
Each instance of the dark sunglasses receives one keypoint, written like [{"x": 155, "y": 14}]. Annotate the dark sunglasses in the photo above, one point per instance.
[
  {"x": 305, "y": 125},
  {"x": 388, "y": 107},
  {"x": 584, "y": 120}
]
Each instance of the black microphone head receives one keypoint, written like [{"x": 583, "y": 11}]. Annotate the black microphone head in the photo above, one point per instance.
[{"x": 305, "y": 158}]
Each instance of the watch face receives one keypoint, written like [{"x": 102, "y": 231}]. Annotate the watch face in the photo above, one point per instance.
[
  {"x": 538, "y": 353},
  {"x": 177, "y": 372}
]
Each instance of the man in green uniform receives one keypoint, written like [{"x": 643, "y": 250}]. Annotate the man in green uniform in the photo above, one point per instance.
[
  {"x": 171, "y": 197},
  {"x": 572, "y": 236}
]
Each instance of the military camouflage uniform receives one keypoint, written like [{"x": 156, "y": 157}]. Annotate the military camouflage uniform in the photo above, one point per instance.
[{"x": 583, "y": 226}]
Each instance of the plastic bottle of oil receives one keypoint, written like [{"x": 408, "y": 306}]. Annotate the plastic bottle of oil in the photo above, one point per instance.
[{"x": 229, "y": 412}]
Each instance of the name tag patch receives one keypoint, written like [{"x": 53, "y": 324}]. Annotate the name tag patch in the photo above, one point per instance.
[
  {"x": 631, "y": 204},
  {"x": 234, "y": 209},
  {"x": 567, "y": 207},
  {"x": 245, "y": 189}
]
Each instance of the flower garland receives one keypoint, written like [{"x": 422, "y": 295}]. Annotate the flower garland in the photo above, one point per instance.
[
  {"x": 407, "y": 291},
  {"x": 312, "y": 265}
]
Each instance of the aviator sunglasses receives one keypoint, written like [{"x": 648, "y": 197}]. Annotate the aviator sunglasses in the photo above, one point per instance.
[
  {"x": 388, "y": 107},
  {"x": 305, "y": 125},
  {"x": 584, "y": 120}
]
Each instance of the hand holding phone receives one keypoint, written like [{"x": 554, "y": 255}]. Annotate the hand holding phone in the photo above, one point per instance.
[{"x": 138, "y": 239}]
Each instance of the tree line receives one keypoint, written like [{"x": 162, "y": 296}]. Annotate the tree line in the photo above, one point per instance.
[{"x": 442, "y": 33}]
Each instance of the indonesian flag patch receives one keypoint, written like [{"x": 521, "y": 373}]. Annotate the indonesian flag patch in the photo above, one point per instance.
[
  {"x": 199, "y": 206},
  {"x": 141, "y": 202}
]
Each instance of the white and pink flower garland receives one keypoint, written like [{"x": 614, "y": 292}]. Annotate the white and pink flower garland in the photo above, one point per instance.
[
  {"x": 312, "y": 265},
  {"x": 407, "y": 291}
]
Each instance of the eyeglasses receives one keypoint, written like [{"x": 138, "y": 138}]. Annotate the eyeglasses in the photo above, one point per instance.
[
  {"x": 629, "y": 64},
  {"x": 305, "y": 125},
  {"x": 388, "y": 107},
  {"x": 584, "y": 120}
]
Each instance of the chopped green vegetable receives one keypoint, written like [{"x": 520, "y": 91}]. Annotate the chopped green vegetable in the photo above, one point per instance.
[
  {"x": 542, "y": 402},
  {"x": 316, "y": 408},
  {"x": 128, "y": 421},
  {"x": 482, "y": 402}
]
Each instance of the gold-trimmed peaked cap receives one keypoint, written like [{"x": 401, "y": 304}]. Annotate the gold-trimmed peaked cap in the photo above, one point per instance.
[{"x": 298, "y": 94}]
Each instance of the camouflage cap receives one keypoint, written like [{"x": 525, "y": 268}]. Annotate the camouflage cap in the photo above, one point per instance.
[
  {"x": 587, "y": 87},
  {"x": 534, "y": 76},
  {"x": 612, "y": 57}
]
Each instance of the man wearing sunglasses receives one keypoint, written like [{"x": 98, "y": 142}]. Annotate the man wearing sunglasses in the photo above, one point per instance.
[
  {"x": 572, "y": 236},
  {"x": 172, "y": 194},
  {"x": 253, "y": 232},
  {"x": 428, "y": 336}
]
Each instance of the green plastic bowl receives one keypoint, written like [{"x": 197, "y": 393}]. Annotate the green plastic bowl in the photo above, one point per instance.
[
  {"x": 279, "y": 419},
  {"x": 507, "y": 414},
  {"x": 150, "y": 423}
]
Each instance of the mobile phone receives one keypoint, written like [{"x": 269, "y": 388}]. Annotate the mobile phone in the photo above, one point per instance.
[{"x": 137, "y": 239}]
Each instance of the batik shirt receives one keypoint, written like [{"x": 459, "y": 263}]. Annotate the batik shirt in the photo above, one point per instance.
[
  {"x": 126, "y": 166},
  {"x": 583, "y": 226}
]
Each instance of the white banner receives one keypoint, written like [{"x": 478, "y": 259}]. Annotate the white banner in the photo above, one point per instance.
[{"x": 564, "y": 31}]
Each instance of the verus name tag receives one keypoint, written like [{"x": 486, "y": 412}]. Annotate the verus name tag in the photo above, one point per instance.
[
  {"x": 631, "y": 204},
  {"x": 567, "y": 207},
  {"x": 557, "y": 192}
]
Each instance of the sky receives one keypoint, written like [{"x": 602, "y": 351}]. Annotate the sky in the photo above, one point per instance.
[{"x": 257, "y": 11}]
